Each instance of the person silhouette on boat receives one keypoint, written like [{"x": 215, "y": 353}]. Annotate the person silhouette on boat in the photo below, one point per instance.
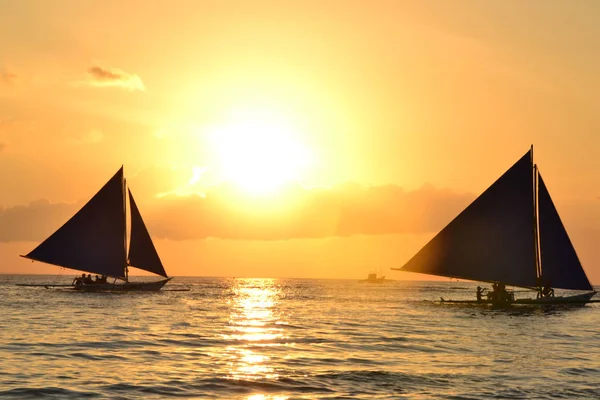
[
  {"x": 88, "y": 280},
  {"x": 503, "y": 295},
  {"x": 493, "y": 295},
  {"x": 499, "y": 294},
  {"x": 78, "y": 281},
  {"x": 101, "y": 280},
  {"x": 479, "y": 293}
]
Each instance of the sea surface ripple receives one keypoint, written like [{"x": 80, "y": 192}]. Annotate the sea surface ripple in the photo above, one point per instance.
[{"x": 290, "y": 339}]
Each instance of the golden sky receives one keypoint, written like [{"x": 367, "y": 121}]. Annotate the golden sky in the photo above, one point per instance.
[{"x": 293, "y": 139}]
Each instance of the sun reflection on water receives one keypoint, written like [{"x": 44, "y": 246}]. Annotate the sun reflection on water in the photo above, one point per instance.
[
  {"x": 254, "y": 329},
  {"x": 263, "y": 397}
]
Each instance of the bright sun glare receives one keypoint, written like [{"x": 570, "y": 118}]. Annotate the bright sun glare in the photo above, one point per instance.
[{"x": 259, "y": 153}]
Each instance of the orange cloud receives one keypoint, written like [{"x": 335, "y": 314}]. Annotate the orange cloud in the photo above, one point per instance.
[
  {"x": 113, "y": 77},
  {"x": 314, "y": 213},
  {"x": 8, "y": 77},
  {"x": 34, "y": 221},
  {"x": 340, "y": 211}
]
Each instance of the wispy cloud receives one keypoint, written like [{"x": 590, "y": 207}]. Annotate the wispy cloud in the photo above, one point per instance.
[
  {"x": 7, "y": 76},
  {"x": 112, "y": 77}
]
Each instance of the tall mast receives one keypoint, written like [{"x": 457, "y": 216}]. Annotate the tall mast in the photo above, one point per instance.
[
  {"x": 536, "y": 235},
  {"x": 125, "y": 230}
]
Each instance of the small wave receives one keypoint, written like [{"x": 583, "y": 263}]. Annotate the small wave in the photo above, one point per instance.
[
  {"x": 190, "y": 343},
  {"x": 212, "y": 387},
  {"x": 181, "y": 325},
  {"x": 36, "y": 393},
  {"x": 188, "y": 335},
  {"x": 279, "y": 385},
  {"x": 583, "y": 393},
  {"x": 394, "y": 381},
  {"x": 157, "y": 389},
  {"x": 87, "y": 356},
  {"x": 582, "y": 371},
  {"x": 362, "y": 361},
  {"x": 99, "y": 345},
  {"x": 289, "y": 326}
]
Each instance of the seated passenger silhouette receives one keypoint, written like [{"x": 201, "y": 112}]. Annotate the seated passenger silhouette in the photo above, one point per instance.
[
  {"x": 479, "y": 293},
  {"x": 79, "y": 280}
]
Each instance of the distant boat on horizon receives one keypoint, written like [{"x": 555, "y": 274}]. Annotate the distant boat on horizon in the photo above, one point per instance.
[
  {"x": 94, "y": 240},
  {"x": 372, "y": 277},
  {"x": 510, "y": 235}
]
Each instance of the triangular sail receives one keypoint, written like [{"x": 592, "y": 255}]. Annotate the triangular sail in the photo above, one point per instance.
[
  {"x": 142, "y": 253},
  {"x": 492, "y": 240},
  {"x": 93, "y": 239},
  {"x": 560, "y": 265}
]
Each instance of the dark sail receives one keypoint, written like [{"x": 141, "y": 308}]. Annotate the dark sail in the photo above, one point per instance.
[
  {"x": 142, "y": 253},
  {"x": 92, "y": 240},
  {"x": 560, "y": 265},
  {"x": 492, "y": 239}
]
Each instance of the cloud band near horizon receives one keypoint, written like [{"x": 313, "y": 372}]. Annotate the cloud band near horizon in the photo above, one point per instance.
[{"x": 318, "y": 213}]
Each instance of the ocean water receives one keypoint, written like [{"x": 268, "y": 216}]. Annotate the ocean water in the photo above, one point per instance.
[{"x": 290, "y": 339}]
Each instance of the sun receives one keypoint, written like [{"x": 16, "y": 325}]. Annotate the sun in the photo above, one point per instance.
[{"x": 259, "y": 152}]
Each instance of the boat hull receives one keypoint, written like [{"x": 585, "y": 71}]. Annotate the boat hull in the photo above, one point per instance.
[
  {"x": 575, "y": 299},
  {"x": 123, "y": 287},
  {"x": 377, "y": 280}
]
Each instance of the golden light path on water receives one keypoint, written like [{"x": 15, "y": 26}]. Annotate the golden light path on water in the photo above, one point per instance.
[{"x": 254, "y": 322}]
